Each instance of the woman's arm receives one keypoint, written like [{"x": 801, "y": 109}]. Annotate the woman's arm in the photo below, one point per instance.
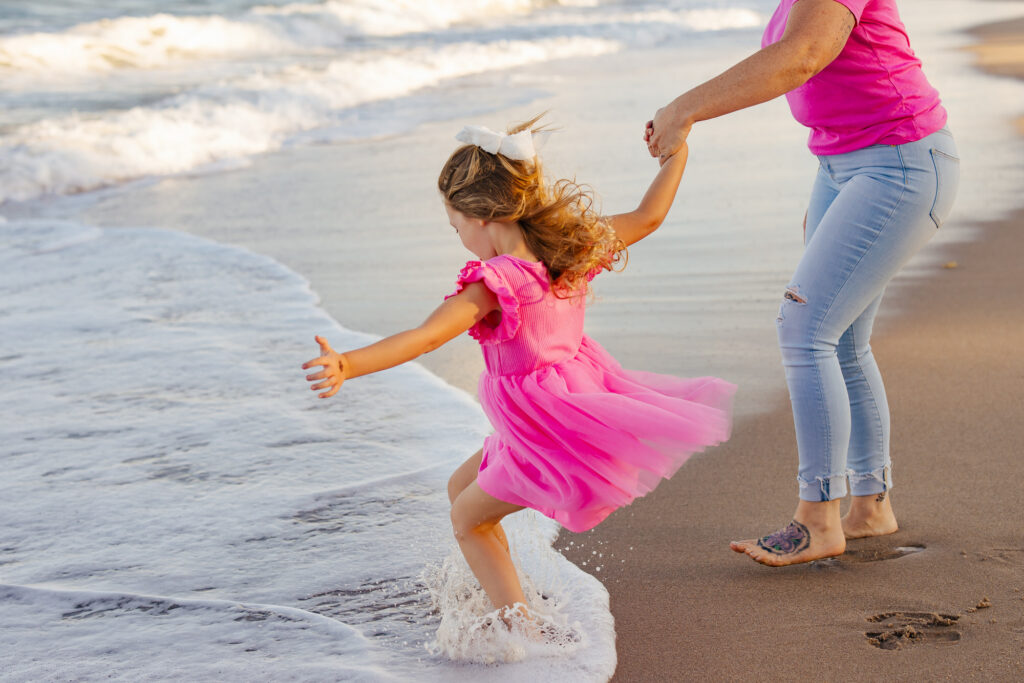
[
  {"x": 456, "y": 315},
  {"x": 816, "y": 32},
  {"x": 634, "y": 226}
]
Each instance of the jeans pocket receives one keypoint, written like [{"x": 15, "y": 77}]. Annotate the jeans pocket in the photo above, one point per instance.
[{"x": 947, "y": 180}]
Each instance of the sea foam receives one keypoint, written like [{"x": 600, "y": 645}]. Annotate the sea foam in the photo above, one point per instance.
[
  {"x": 177, "y": 503},
  {"x": 106, "y": 102}
]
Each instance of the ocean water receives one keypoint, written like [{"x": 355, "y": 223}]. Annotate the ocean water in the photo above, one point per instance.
[
  {"x": 176, "y": 504},
  {"x": 91, "y": 97}
]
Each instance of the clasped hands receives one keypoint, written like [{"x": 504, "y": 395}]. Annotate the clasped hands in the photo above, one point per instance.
[{"x": 664, "y": 134}]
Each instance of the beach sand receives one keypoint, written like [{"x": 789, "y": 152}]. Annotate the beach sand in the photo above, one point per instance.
[{"x": 685, "y": 606}]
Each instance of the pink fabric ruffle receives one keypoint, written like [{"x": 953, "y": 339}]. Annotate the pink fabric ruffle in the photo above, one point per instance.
[{"x": 506, "y": 328}]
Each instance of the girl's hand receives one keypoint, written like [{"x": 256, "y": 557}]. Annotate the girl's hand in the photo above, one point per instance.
[
  {"x": 666, "y": 133},
  {"x": 334, "y": 373}
]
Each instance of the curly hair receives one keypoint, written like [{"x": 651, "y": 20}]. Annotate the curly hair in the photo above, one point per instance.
[{"x": 559, "y": 222}]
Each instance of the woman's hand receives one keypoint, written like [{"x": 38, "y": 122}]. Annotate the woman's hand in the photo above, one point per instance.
[
  {"x": 816, "y": 32},
  {"x": 666, "y": 133},
  {"x": 334, "y": 373}
]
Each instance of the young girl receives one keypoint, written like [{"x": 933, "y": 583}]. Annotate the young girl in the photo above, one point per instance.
[{"x": 575, "y": 435}]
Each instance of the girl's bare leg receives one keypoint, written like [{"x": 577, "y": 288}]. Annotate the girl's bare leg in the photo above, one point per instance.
[
  {"x": 475, "y": 514},
  {"x": 463, "y": 477},
  {"x": 870, "y": 516}
]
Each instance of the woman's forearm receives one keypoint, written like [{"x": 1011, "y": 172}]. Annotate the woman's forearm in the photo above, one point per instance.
[
  {"x": 816, "y": 32},
  {"x": 763, "y": 76}
]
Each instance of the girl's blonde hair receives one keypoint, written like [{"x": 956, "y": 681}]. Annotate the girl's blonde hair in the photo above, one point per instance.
[{"x": 559, "y": 222}]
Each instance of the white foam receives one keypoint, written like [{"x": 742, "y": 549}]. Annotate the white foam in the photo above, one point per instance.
[
  {"x": 178, "y": 503},
  {"x": 106, "y": 102},
  {"x": 394, "y": 18},
  {"x": 134, "y": 43},
  {"x": 159, "y": 40},
  {"x": 76, "y": 153}
]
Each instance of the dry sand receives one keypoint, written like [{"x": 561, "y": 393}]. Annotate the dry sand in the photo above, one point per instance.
[{"x": 687, "y": 608}]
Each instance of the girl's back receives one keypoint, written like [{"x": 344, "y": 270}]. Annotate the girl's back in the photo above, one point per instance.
[{"x": 536, "y": 326}]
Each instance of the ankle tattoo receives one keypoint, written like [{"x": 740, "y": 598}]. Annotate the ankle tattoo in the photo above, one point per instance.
[
  {"x": 786, "y": 541},
  {"x": 881, "y": 497}
]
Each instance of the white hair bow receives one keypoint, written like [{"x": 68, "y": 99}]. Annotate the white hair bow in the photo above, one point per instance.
[{"x": 518, "y": 146}]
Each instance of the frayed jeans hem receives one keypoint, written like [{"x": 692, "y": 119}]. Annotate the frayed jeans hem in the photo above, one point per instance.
[
  {"x": 822, "y": 489},
  {"x": 871, "y": 483}
]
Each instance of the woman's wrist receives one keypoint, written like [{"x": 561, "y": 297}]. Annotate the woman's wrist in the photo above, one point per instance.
[{"x": 683, "y": 111}]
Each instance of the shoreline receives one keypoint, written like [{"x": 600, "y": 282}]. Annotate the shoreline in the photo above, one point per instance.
[
  {"x": 956, "y": 552},
  {"x": 695, "y": 614}
]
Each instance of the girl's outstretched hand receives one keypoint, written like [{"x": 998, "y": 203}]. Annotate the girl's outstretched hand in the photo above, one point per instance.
[{"x": 334, "y": 373}]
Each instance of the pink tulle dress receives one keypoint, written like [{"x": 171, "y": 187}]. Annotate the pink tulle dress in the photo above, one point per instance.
[{"x": 575, "y": 435}]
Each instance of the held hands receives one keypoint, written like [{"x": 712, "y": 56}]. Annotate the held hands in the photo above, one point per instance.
[
  {"x": 665, "y": 135},
  {"x": 335, "y": 370}
]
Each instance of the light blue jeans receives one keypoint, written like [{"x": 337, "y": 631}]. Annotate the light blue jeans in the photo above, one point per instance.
[{"x": 870, "y": 211}]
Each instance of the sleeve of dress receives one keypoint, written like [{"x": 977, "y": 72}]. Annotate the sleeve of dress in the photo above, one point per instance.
[
  {"x": 484, "y": 331},
  {"x": 856, "y": 7}
]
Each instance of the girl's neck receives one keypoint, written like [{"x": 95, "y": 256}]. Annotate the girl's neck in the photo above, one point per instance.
[{"x": 507, "y": 239}]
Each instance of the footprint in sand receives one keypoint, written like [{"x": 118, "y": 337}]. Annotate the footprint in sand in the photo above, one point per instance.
[
  {"x": 878, "y": 554},
  {"x": 900, "y": 629},
  {"x": 870, "y": 553}
]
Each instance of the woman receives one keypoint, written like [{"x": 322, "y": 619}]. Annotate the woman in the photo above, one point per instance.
[{"x": 888, "y": 175}]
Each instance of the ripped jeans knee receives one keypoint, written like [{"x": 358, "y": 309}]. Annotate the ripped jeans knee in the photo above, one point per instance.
[{"x": 792, "y": 296}]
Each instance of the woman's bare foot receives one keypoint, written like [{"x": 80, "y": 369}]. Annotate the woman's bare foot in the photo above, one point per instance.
[
  {"x": 815, "y": 533},
  {"x": 870, "y": 516}
]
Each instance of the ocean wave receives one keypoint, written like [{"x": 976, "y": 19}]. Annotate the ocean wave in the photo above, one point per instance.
[
  {"x": 135, "y": 42},
  {"x": 76, "y": 152},
  {"x": 164, "y": 39},
  {"x": 118, "y": 99}
]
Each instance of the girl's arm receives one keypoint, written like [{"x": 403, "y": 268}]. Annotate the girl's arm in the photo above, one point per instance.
[
  {"x": 456, "y": 315},
  {"x": 816, "y": 32},
  {"x": 634, "y": 226}
]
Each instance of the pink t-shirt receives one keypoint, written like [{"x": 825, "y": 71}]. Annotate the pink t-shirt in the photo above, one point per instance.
[{"x": 873, "y": 93}]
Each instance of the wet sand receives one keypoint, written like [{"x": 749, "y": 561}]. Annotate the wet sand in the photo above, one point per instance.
[
  {"x": 685, "y": 606},
  {"x": 943, "y": 598}
]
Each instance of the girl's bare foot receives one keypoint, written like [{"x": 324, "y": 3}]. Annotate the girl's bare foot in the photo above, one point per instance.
[
  {"x": 814, "y": 533},
  {"x": 538, "y": 629},
  {"x": 870, "y": 516}
]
